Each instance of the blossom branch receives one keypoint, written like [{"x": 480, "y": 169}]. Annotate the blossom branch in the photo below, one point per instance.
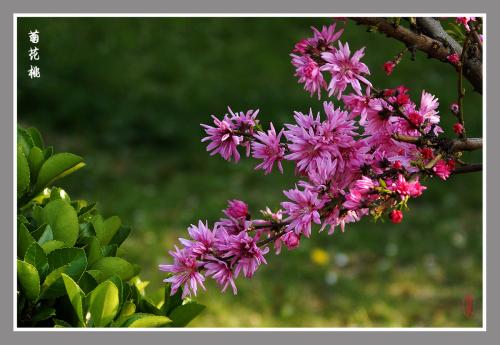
[
  {"x": 437, "y": 46},
  {"x": 468, "y": 168}
]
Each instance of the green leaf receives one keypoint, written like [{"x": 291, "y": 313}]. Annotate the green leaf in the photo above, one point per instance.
[
  {"x": 43, "y": 314},
  {"x": 75, "y": 295},
  {"x": 35, "y": 161},
  {"x": 56, "y": 167},
  {"x": 97, "y": 275},
  {"x": 23, "y": 173},
  {"x": 110, "y": 227},
  {"x": 94, "y": 251},
  {"x": 49, "y": 246},
  {"x": 183, "y": 314},
  {"x": 114, "y": 265},
  {"x": 61, "y": 324},
  {"x": 119, "y": 284},
  {"x": 109, "y": 250},
  {"x": 86, "y": 212},
  {"x": 87, "y": 282},
  {"x": 24, "y": 140},
  {"x": 171, "y": 302},
  {"x": 36, "y": 256},
  {"x": 142, "y": 320},
  {"x": 46, "y": 235},
  {"x": 71, "y": 261},
  {"x": 48, "y": 152},
  {"x": 63, "y": 220},
  {"x": 29, "y": 279},
  {"x": 104, "y": 302},
  {"x": 36, "y": 137},
  {"x": 24, "y": 239},
  {"x": 127, "y": 309},
  {"x": 120, "y": 236},
  {"x": 147, "y": 306}
]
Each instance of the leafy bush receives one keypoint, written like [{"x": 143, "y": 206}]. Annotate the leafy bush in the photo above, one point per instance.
[{"x": 68, "y": 272}]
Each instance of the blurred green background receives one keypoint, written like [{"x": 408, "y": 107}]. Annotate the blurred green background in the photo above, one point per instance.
[{"x": 129, "y": 94}]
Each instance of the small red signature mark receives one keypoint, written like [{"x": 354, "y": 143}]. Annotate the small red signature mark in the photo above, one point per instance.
[{"x": 468, "y": 305}]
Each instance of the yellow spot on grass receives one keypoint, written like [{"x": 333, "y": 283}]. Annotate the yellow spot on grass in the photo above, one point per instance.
[{"x": 320, "y": 257}]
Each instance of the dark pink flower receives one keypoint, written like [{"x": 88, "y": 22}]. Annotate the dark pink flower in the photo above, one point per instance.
[
  {"x": 268, "y": 147},
  {"x": 396, "y": 216},
  {"x": 465, "y": 21},
  {"x": 236, "y": 209},
  {"x": 454, "y": 108},
  {"x": 389, "y": 67},
  {"x": 443, "y": 169},
  {"x": 458, "y": 128},
  {"x": 454, "y": 58}
]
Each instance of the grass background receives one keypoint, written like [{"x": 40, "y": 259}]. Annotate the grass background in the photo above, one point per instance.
[{"x": 129, "y": 94}]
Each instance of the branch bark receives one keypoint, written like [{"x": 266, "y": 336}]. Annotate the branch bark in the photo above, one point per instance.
[
  {"x": 432, "y": 46},
  {"x": 467, "y": 169},
  {"x": 469, "y": 144}
]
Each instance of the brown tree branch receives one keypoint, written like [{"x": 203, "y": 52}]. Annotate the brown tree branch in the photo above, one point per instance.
[
  {"x": 469, "y": 144},
  {"x": 467, "y": 169},
  {"x": 433, "y": 47}
]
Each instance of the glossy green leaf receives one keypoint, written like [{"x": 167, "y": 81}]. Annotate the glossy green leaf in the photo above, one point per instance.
[
  {"x": 35, "y": 161},
  {"x": 36, "y": 256},
  {"x": 46, "y": 234},
  {"x": 171, "y": 302},
  {"x": 24, "y": 140},
  {"x": 110, "y": 227},
  {"x": 121, "y": 235},
  {"x": 63, "y": 220},
  {"x": 28, "y": 279},
  {"x": 183, "y": 314},
  {"x": 87, "y": 282},
  {"x": 43, "y": 314},
  {"x": 49, "y": 246},
  {"x": 36, "y": 137},
  {"x": 114, "y": 265},
  {"x": 143, "y": 320},
  {"x": 24, "y": 240},
  {"x": 94, "y": 251},
  {"x": 75, "y": 295},
  {"x": 104, "y": 302},
  {"x": 23, "y": 173},
  {"x": 56, "y": 167}
]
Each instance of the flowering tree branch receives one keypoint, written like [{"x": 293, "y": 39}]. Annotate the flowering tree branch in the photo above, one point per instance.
[
  {"x": 364, "y": 156},
  {"x": 434, "y": 41}
]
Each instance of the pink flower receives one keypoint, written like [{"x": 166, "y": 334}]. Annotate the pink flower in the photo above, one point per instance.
[
  {"x": 443, "y": 169},
  {"x": 416, "y": 189},
  {"x": 203, "y": 239},
  {"x": 222, "y": 139},
  {"x": 389, "y": 67},
  {"x": 290, "y": 239},
  {"x": 245, "y": 255},
  {"x": 268, "y": 147},
  {"x": 302, "y": 210},
  {"x": 354, "y": 200},
  {"x": 326, "y": 36},
  {"x": 454, "y": 108},
  {"x": 458, "y": 128},
  {"x": 454, "y": 58},
  {"x": 236, "y": 209},
  {"x": 345, "y": 70},
  {"x": 465, "y": 21},
  {"x": 396, "y": 216},
  {"x": 311, "y": 141},
  {"x": 221, "y": 273},
  {"x": 309, "y": 73},
  {"x": 185, "y": 272}
]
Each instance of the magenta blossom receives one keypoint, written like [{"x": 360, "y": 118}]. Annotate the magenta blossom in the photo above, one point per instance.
[
  {"x": 309, "y": 73},
  {"x": 203, "y": 239},
  {"x": 244, "y": 254},
  {"x": 302, "y": 210},
  {"x": 223, "y": 139},
  {"x": 236, "y": 209},
  {"x": 345, "y": 70},
  {"x": 221, "y": 273},
  {"x": 268, "y": 147},
  {"x": 185, "y": 272}
]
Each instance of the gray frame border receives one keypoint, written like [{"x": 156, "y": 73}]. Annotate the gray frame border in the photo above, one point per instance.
[{"x": 8, "y": 8}]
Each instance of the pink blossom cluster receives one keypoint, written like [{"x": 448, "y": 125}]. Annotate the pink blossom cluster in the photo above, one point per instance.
[{"x": 349, "y": 161}]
